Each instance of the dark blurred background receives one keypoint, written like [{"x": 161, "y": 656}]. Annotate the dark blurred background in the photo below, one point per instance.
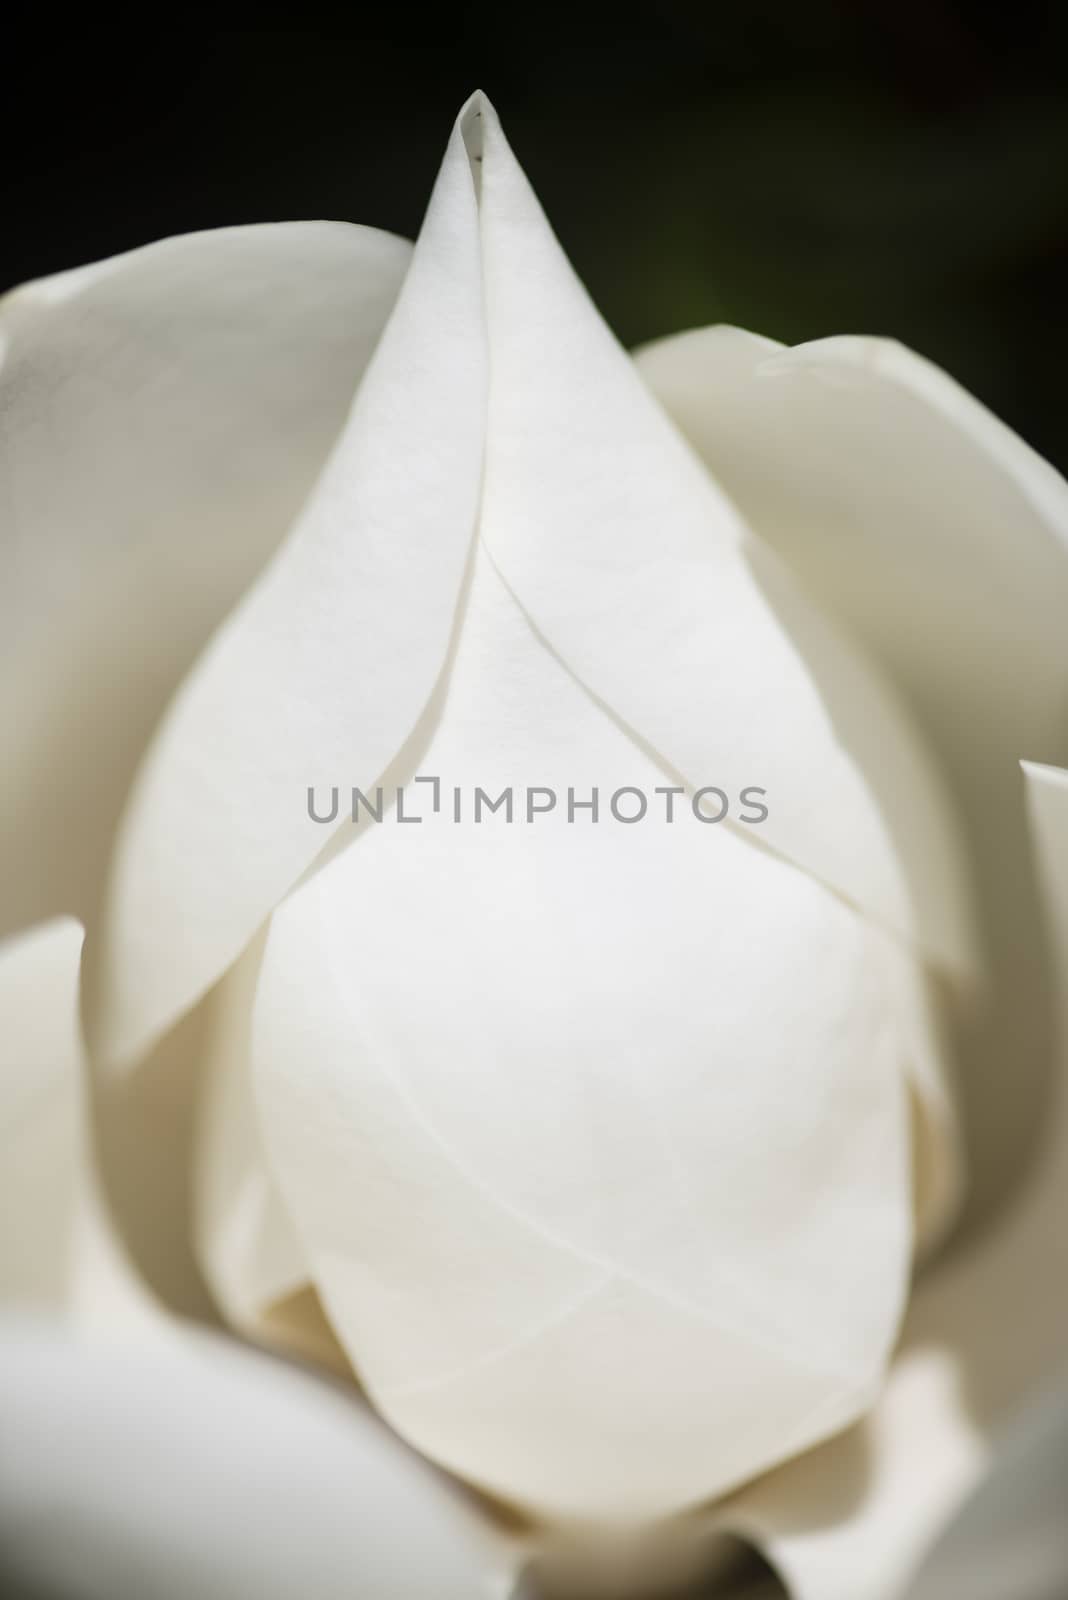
[{"x": 821, "y": 167}]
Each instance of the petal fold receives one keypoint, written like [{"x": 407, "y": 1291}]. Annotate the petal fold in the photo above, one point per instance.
[
  {"x": 587, "y": 1239},
  {"x": 165, "y": 414},
  {"x": 983, "y": 1338},
  {"x": 326, "y": 664},
  {"x": 940, "y": 541},
  {"x": 642, "y": 576},
  {"x": 41, "y": 1090}
]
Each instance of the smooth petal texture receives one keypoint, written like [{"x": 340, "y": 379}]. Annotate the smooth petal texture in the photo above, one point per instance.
[
  {"x": 629, "y": 562},
  {"x": 327, "y": 663},
  {"x": 244, "y": 1238},
  {"x": 57, "y": 1247},
  {"x": 201, "y": 1469},
  {"x": 941, "y": 541},
  {"x": 40, "y": 1112},
  {"x": 164, "y": 415},
  {"x": 530, "y": 1214},
  {"x": 589, "y": 1240},
  {"x": 982, "y": 1338},
  {"x": 642, "y": 577}
]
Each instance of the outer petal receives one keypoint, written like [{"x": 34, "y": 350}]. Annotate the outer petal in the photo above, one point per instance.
[
  {"x": 589, "y": 1239},
  {"x": 641, "y": 576},
  {"x": 57, "y": 1248},
  {"x": 632, "y": 571},
  {"x": 40, "y": 1111},
  {"x": 624, "y": 553},
  {"x": 164, "y": 415},
  {"x": 325, "y": 666},
  {"x": 982, "y": 1337},
  {"x": 198, "y": 1469},
  {"x": 941, "y": 541}
]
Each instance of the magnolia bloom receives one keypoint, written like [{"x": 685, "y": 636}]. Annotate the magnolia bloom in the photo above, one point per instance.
[{"x": 656, "y": 1178}]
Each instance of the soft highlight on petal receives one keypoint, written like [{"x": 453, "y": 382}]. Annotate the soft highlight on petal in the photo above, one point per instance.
[
  {"x": 587, "y": 1217},
  {"x": 41, "y": 1091},
  {"x": 513, "y": 1053},
  {"x": 325, "y": 665},
  {"x": 164, "y": 415},
  {"x": 941, "y": 541},
  {"x": 198, "y": 1468},
  {"x": 642, "y": 577},
  {"x": 243, "y": 1236}
]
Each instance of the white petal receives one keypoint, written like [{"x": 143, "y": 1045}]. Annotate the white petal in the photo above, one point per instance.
[
  {"x": 941, "y": 541},
  {"x": 640, "y": 574},
  {"x": 905, "y": 504},
  {"x": 57, "y": 1246},
  {"x": 145, "y": 1126},
  {"x": 983, "y": 1336},
  {"x": 627, "y": 558},
  {"x": 165, "y": 414},
  {"x": 422, "y": 1093},
  {"x": 327, "y": 663},
  {"x": 201, "y": 1469},
  {"x": 40, "y": 1111},
  {"x": 244, "y": 1238},
  {"x": 729, "y": 1279},
  {"x": 589, "y": 1237}
]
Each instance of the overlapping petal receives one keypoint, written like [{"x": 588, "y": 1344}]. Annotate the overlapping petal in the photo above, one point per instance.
[
  {"x": 642, "y": 577},
  {"x": 983, "y": 1338},
  {"x": 547, "y": 1064},
  {"x": 512, "y": 1100},
  {"x": 325, "y": 665},
  {"x": 940, "y": 540},
  {"x": 58, "y": 1251},
  {"x": 41, "y": 1101},
  {"x": 164, "y": 415},
  {"x": 586, "y": 1237},
  {"x": 242, "y": 1232},
  {"x": 618, "y": 545},
  {"x": 200, "y": 1469}
]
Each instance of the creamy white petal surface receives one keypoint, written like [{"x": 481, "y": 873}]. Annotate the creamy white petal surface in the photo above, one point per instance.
[
  {"x": 601, "y": 1151},
  {"x": 164, "y": 415},
  {"x": 41, "y": 1093},
  {"x": 201, "y": 1469},
  {"x": 586, "y": 1235},
  {"x": 244, "y": 1238},
  {"x": 983, "y": 1336},
  {"x": 941, "y": 540},
  {"x": 619, "y": 546},
  {"x": 641, "y": 576},
  {"x": 58, "y": 1250},
  {"x": 599, "y": 1248},
  {"x": 327, "y": 663}
]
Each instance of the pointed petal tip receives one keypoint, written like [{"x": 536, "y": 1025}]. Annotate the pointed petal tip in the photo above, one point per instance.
[{"x": 478, "y": 108}]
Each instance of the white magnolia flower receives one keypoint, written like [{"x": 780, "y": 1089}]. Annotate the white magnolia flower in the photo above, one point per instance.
[{"x": 615, "y": 1155}]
